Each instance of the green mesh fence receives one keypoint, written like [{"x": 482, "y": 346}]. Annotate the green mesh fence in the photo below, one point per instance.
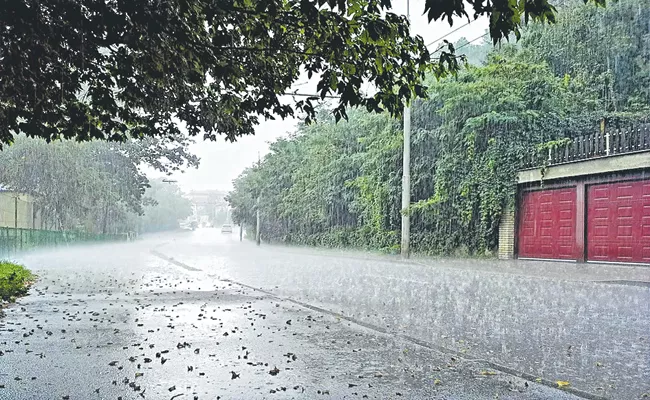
[{"x": 14, "y": 240}]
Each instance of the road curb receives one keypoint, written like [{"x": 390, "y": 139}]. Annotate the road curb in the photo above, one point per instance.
[
  {"x": 501, "y": 368},
  {"x": 171, "y": 260}
]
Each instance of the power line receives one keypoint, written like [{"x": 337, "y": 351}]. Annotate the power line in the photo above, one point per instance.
[
  {"x": 472, "y": 41},
  {"x": 449, "y": 33},
  {"x": 338, "y": 97},
  {"x": 464, "y": 44},
  {"x": 310, "y": 95}
]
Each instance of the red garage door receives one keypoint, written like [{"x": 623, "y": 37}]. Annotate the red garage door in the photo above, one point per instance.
[
  {"x": 618, "y": 222},
  {"x": 547, "y": 224}
]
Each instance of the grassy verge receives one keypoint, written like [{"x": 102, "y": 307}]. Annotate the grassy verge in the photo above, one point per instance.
[{"x": 14, "y": 280}]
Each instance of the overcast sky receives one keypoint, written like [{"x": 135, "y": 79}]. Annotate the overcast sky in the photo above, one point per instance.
[{"x": 222, "y": 161}]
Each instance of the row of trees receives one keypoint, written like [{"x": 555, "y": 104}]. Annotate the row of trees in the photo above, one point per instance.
[
  {"x": 340, "y": 184},
  {"x": 98, "y": 186}
]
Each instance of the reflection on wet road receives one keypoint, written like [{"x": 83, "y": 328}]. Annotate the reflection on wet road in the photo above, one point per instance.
[
  {"x": 123, "y": 321},
  {"x": 558, "y": 325}
]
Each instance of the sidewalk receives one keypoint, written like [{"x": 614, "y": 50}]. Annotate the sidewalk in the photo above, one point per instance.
[
  {"x": 637, "y": 274},
  {"x": 557, "y": 270}
]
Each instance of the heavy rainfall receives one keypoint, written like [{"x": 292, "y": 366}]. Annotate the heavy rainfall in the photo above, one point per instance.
[{"x": 283, "y": 199}]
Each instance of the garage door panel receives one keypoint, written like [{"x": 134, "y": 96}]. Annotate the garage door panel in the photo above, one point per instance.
[
  {"x": 546, "y": 233},
  {"x": 618, "y": 223},
  {"x": 645, "y": 231},
  {"x": 600, "y": 212},
  {"x": 600, "y": 231},
  {"x": 567, "y": 232},
  {"x": 646, "y": 254},
  {"x": 545, "y": 198},
  {"x": 625, "y": 252},
  {"x": 624, "y": 211},
  {"x": 546, "y": 251},
  {"x": 624, "y": 192},
  {"x": 601, "y": 194},
  {"x": 566, "y": 251},
  {"x": 600, "y": 252},
  {"x": 567, "y": 196},
  {"x": 547, "y": 225},
  {"x": 624, "y": 232}
]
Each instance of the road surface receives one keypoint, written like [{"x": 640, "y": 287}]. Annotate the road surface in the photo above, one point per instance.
[{"x": 201, "y": 315}]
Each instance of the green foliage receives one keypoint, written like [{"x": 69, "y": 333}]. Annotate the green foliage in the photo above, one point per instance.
[
  {"x": 339, "y": 184},
  {"x": 310, "y": 187},
  {"x": 14, "y": 280},
  {"x": 93, "y": 186},
  {"x": 607, "y": 49},
  {"x": 475, "y": 53},
  {"x": 164, "y": 207},
  {"x": 88, "y": 69}
]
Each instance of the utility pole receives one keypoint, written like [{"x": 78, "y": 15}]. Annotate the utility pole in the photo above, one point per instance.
[
  {"x": 16, "y": 211},
  {"x": 406, "y": 172},
  {"x": 257, "y": 232}
]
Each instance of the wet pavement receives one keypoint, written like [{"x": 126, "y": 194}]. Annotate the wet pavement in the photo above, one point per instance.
[{"x": 177, "y": 317}]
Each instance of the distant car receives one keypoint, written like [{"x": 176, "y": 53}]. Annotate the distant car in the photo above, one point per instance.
[{"x": 226, "y": 228}]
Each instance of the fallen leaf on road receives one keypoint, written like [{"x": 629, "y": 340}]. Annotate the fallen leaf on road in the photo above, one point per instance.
[
  {"x": 488, "y": 373},
  {"x": 561, "y": 384}
]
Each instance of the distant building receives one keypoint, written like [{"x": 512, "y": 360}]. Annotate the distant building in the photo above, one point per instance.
[
  {"x": 18, "y": 210},
  {"x": 210, "y": 204}
]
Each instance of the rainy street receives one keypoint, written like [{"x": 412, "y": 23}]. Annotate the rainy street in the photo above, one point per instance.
[
  {"x": 336, "y": 199},
  {"x": 202, "y": 315}
]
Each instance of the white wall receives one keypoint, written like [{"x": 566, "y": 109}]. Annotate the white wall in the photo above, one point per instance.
[{"x": 25, "y": 211}]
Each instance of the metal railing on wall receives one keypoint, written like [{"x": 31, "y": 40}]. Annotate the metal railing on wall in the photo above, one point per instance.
[
  {"x": 601, "y": 144},
  {"x": 14, "y": 240}
]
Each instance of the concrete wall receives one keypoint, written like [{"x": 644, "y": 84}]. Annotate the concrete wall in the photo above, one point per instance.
[
  {"x": 26, "y": 211},
  {"x": 507, "y": 234},
  {"x": 603, "y": 165}
]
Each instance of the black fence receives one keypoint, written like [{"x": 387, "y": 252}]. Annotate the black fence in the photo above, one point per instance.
[{"x": 600, "y": 144}]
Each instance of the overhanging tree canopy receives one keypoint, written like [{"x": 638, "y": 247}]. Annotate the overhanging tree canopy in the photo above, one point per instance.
[{"x": 134, "y": 68}]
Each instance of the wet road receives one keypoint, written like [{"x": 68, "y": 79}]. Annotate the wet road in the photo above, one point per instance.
[{"x": 123, "y": 321}]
